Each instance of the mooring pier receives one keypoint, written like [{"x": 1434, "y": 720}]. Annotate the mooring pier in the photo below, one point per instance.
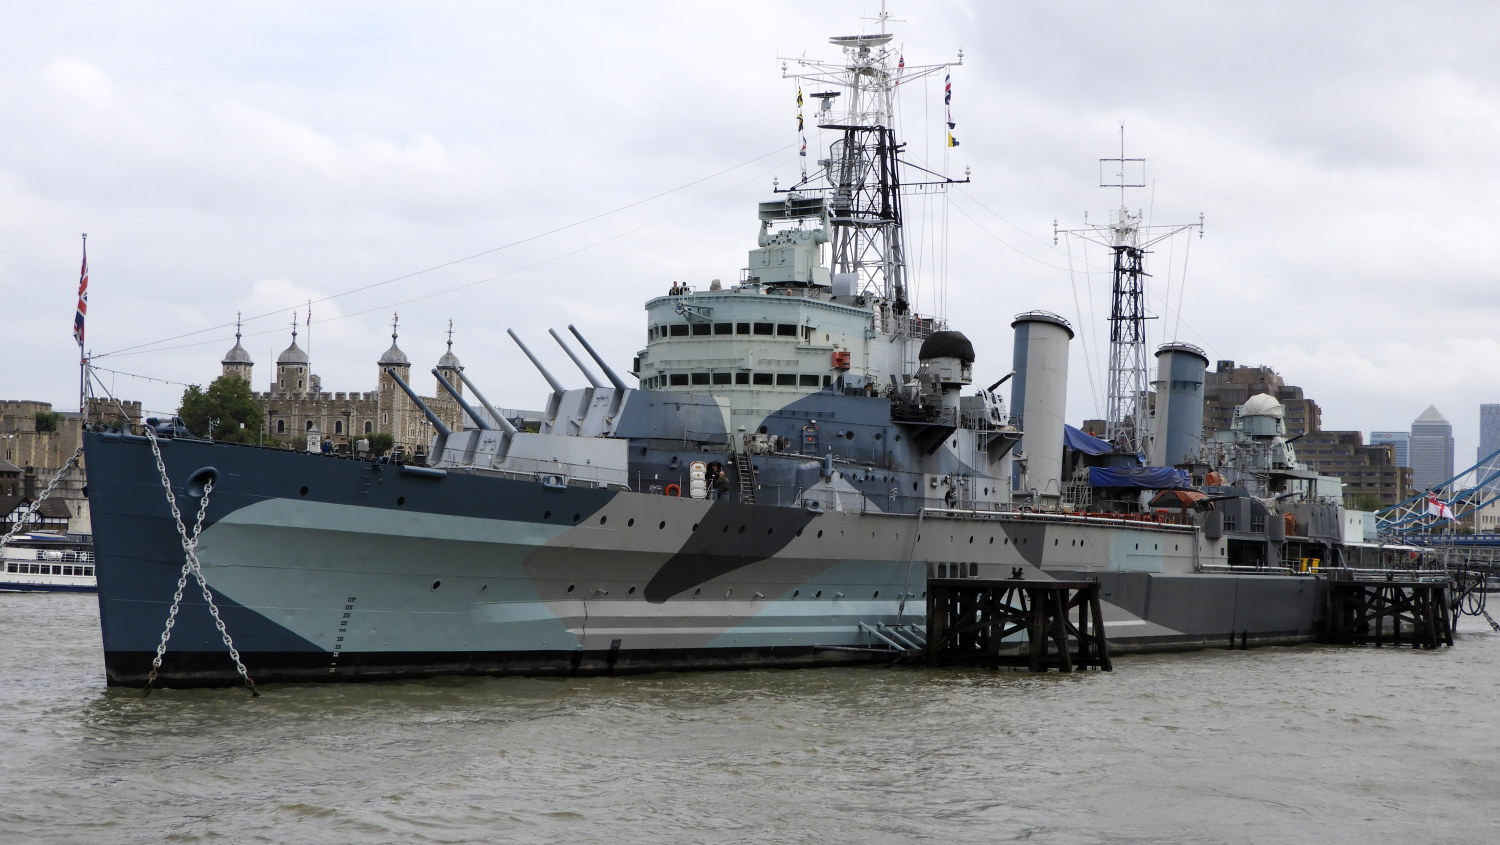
[
  {"x": 980, "y": 622},
  {"x": 1392, "y": 611}
]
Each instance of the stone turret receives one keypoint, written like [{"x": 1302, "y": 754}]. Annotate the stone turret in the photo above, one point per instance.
[
  {"x": 398, "y": 415},
  {"x": 237, "y": 361},
  {"x": 293, "y": 368},
  {"x": 449, "y": 367}
]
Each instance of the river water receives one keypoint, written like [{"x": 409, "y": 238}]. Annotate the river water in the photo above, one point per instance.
[{"x": 1276, "y": 745}]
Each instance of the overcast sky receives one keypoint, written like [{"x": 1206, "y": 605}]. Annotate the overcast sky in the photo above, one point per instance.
[{"x": 530, "y": 165}]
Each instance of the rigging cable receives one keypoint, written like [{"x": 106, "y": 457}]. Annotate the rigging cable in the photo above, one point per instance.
[{"x": 373, "y": 285}]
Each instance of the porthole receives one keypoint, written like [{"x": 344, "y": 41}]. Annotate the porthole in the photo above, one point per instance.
[
  {"x": 603, "y": 519},
  {"x": 630, "y": 523},
  {"x": 818, "y": 594},
  {"x": 726, "y": 530},
  {"x": 799, "y": 532},
  {"x": 546, "y": 514},
  {"x": 741, "y": 531},
  {"x": 820, "y": 533},
  {"x": 876, "y": 595},
  {"x": 436, "y": 584},
  {"x": 400, "y": 500},
  {"x": 577, "y": 517},
  {"x": 770, "y": 531},
  {"x": 698, "y": 592},
  {"x": 631, "y": 591},
  {"x": 1054, "y": 541},
  {"x": 303, "y": 491},
  {"x": 971, "y": 540},
  {"x": 796, "y": 593},
  {"x": 570, "y": 587},
  {"x": 992, "y": 541},
  {"x": 848, "y": 435},
  {"x": 695, "y": 526},
  {"x": 661, "y": 525}
]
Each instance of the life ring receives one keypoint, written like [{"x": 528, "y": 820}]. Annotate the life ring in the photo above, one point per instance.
[{"x": 672, "y": 490}]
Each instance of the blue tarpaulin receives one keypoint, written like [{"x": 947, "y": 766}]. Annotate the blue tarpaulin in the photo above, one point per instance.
[
  {"x": 1149, "y": 478},
  {"x": 1081, "y": 441}
]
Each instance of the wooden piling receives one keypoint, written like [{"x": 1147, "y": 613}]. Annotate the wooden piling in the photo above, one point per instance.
[
  {"x": 1393, "y": 612},
  {"x": 1016, "y": 623}
]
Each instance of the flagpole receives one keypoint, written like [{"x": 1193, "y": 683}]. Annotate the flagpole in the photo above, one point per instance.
[{"x": 83, "y": 299}]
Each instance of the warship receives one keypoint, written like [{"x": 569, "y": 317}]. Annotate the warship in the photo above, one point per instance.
[{"x": 800, "y": 453}]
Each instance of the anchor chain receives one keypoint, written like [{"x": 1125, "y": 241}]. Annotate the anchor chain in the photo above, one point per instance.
[
  {"x": 190, "y": 565},
  {"x": 51, "y": 485}
]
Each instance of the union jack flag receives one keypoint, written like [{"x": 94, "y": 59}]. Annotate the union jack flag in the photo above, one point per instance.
[{"x": 83, "y": 296}]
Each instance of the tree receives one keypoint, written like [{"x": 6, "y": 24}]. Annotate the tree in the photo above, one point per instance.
[
  {"x": 380, "y": 443},
  {"x": 1363, "y": 502},
  {"x": 46, "y": 421},
  {"x": 226, "y": 411}
]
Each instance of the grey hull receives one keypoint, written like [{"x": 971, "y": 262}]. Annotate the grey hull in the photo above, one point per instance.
[{"x": 331, "y": 569}]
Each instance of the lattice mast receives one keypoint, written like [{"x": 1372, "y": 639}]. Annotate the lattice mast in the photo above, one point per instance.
[
  {"x": 861, "y": 173},
  {"x": 1126, "y": 416}
]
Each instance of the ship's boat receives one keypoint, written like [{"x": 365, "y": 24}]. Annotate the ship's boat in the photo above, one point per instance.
[{"x": 800, "y": 453}]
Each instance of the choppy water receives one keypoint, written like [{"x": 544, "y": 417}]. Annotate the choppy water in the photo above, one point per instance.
[{"x": 1310, "y": 744}]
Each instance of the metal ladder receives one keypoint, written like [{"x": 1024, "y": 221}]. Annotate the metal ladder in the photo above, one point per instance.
[{"x": 746, "y": 473}]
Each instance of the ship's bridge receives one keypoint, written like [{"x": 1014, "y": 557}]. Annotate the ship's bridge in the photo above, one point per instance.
[{"x": 756, "y": 337}]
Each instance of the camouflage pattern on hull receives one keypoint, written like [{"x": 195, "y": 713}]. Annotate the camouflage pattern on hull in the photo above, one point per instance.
[{"x": 330, "y": 569}]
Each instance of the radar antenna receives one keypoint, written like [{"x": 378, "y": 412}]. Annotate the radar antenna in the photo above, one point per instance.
[
  {"x": 860, "y": 177},
  {"x": 1125, "y": 420}
]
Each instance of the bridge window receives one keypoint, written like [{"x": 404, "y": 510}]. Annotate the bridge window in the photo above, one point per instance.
[
  {"x": 807, "y": 381},
  {"x": 786, "y": 330},
  {"x": 721, "y": 378},
  {"x": 723, "y": 328},
  {"x": 786, "y": 379},
  {"x": 764, "y": 328},
  {"x": 741, "y": 378},
  {"x": 700, "y": 378},
  {"x": 741, "y": 328},
  {"x": 679, "y": 378},
  {"x": 701, "y": 329},
  {"x": 679, "y": 330},
  {"x": 761, "y": 378}
]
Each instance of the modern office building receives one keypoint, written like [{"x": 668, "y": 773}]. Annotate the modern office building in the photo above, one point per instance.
[
  {"x": 1489, "y": 444},
  {"x": 1400, "y": 442},
  {"x": 1431, "y": 449}
]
